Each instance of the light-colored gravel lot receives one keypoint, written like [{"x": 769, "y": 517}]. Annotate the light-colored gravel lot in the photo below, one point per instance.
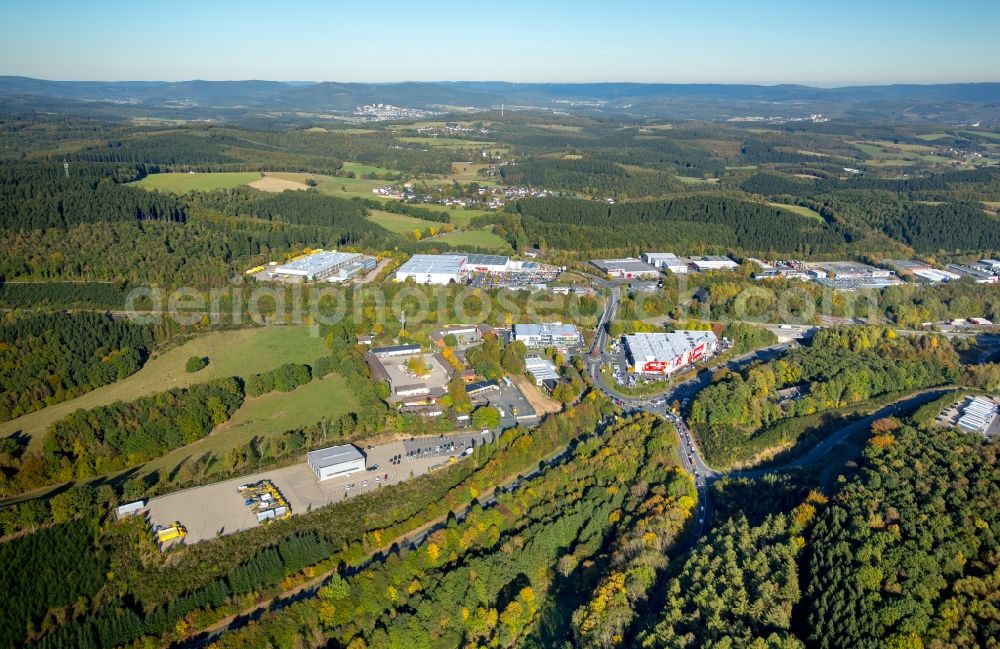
[{"x": 217, "y": 509}]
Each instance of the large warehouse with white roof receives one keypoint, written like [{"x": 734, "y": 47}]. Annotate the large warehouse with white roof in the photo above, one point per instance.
[
  {"x": 459, "y": 267},
  {"x": 323, "y": 264},
  {"x": 664, "y": 353}
]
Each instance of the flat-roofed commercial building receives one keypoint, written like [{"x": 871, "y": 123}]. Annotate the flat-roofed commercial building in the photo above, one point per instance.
[
  {"x": 715, "y": 262},
  {"x": 667, "y": 352},
  {"x": 431, "y": 269},
  {"x": 336, "y": 461},
  {"x": 628, "y": 268},
  {"x": 547, "y": 334},
  {"x": 667, "y": 261},
  {"x": 977, "y": 415},
  {"x": 323, "y": 265},
  {"x": 541, "y": 369}
]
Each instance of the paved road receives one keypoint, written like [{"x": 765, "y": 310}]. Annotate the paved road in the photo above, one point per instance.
[{"x": 691, "y": 458}]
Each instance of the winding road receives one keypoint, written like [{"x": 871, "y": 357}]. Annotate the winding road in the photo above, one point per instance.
[{"x": 691, "y": 458}]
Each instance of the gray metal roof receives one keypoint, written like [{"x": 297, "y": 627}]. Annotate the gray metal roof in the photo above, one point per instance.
[
  {"x": 486, "y": 260},
  {"x": 665, "y": 346},
  {"x": 334, "y": 455},
  {"x": 550, "y": 328},
  {"x": 421, "y": 264},
  {"x": 540, "y": 368},
  {"x": 628, "y": 265},
  {"x": 411, "y": 347},
  {"x": 317, "y": 262}
]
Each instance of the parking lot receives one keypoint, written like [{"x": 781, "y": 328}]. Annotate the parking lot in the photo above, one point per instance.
[
  {"x": 513, "y": 279},
  {"x": 218, "y": 509},
  {"x": 444, "y": 446}
]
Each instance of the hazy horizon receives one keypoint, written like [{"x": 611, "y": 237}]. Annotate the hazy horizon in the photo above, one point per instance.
[
  {"x": 520, "y": 83},
  {"x": 854, "y": 43}
]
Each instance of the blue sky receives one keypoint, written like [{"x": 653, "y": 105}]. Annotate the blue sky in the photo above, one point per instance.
[{"x": 748, "y": 41}]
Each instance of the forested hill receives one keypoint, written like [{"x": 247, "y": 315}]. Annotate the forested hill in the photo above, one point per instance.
[
  {"x": 686, "y": 224},
  {"x": 906, "y": 102},
  {"x": 36, "y": 196},
  {"x": 921, "y": 212}
]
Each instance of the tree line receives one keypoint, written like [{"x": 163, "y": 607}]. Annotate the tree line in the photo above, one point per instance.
[
  {"x": 685, "y": 224},
  {"x": 36, "y": 196},
  {"x": 46, "y": 358},
  {"x": 122, "y": 434},
  {"x": 744, "y": 413}
]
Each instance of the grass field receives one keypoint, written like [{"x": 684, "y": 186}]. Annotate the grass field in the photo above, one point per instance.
[
  {"x": 986, "y": 134},
  {"x": 231, "y": 353},
  {"x": 401, "y": 223},
  {"x": 559, "y": 128},
  {"x": 801, "y": 210},
  {"x": 264, "y": 416},
  {"x": 468, "y": 172},
  {"x": 447, "y": 142},
  {"x": 478, "y": 239},
  {"x": 360, "y": 169},
  {"x": 930, "y": 137},
  {"x": 182, "y": 183},
  {"x": 691, "y": 180},
  {"x": 335, "y": 185},
  {"x": 461, "y": 218}
]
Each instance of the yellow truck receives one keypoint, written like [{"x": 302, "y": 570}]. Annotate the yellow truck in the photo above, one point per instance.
[{"x": 175, "y": 531}]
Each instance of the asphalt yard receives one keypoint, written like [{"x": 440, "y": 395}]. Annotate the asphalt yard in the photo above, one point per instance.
[{"x": 513, "y": 407}]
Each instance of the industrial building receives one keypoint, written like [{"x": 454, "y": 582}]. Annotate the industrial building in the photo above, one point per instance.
[
  {"x": 481, "y": 387},
  {"x": 715, "y": 262},
  {"x": 628, "y": 268},
  {"x": 664, "y": 353},
  {"x": 396, "y": 350},
  {"x": 667, "y": 261},
  {"x": 977, "y": 415},
  {"x": 320, "y": 265},
  {"x": 336, "y": 461},
  {"x": 445, "y": 269},
  {"x": 907, "y": 265},
  {"x": 935, "y": 276},
  {"x": 465, "y": 334},
  {"x": 852, "y": 270},
  {"x": 541, "y": 369},
  {"x": 389, "y": 364},
  {"x": 431, "y": 269},
  {"x": 489, "y": 271},
  {"x": 547, "y": 334},
  {"x": 981, "y": 274}
]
